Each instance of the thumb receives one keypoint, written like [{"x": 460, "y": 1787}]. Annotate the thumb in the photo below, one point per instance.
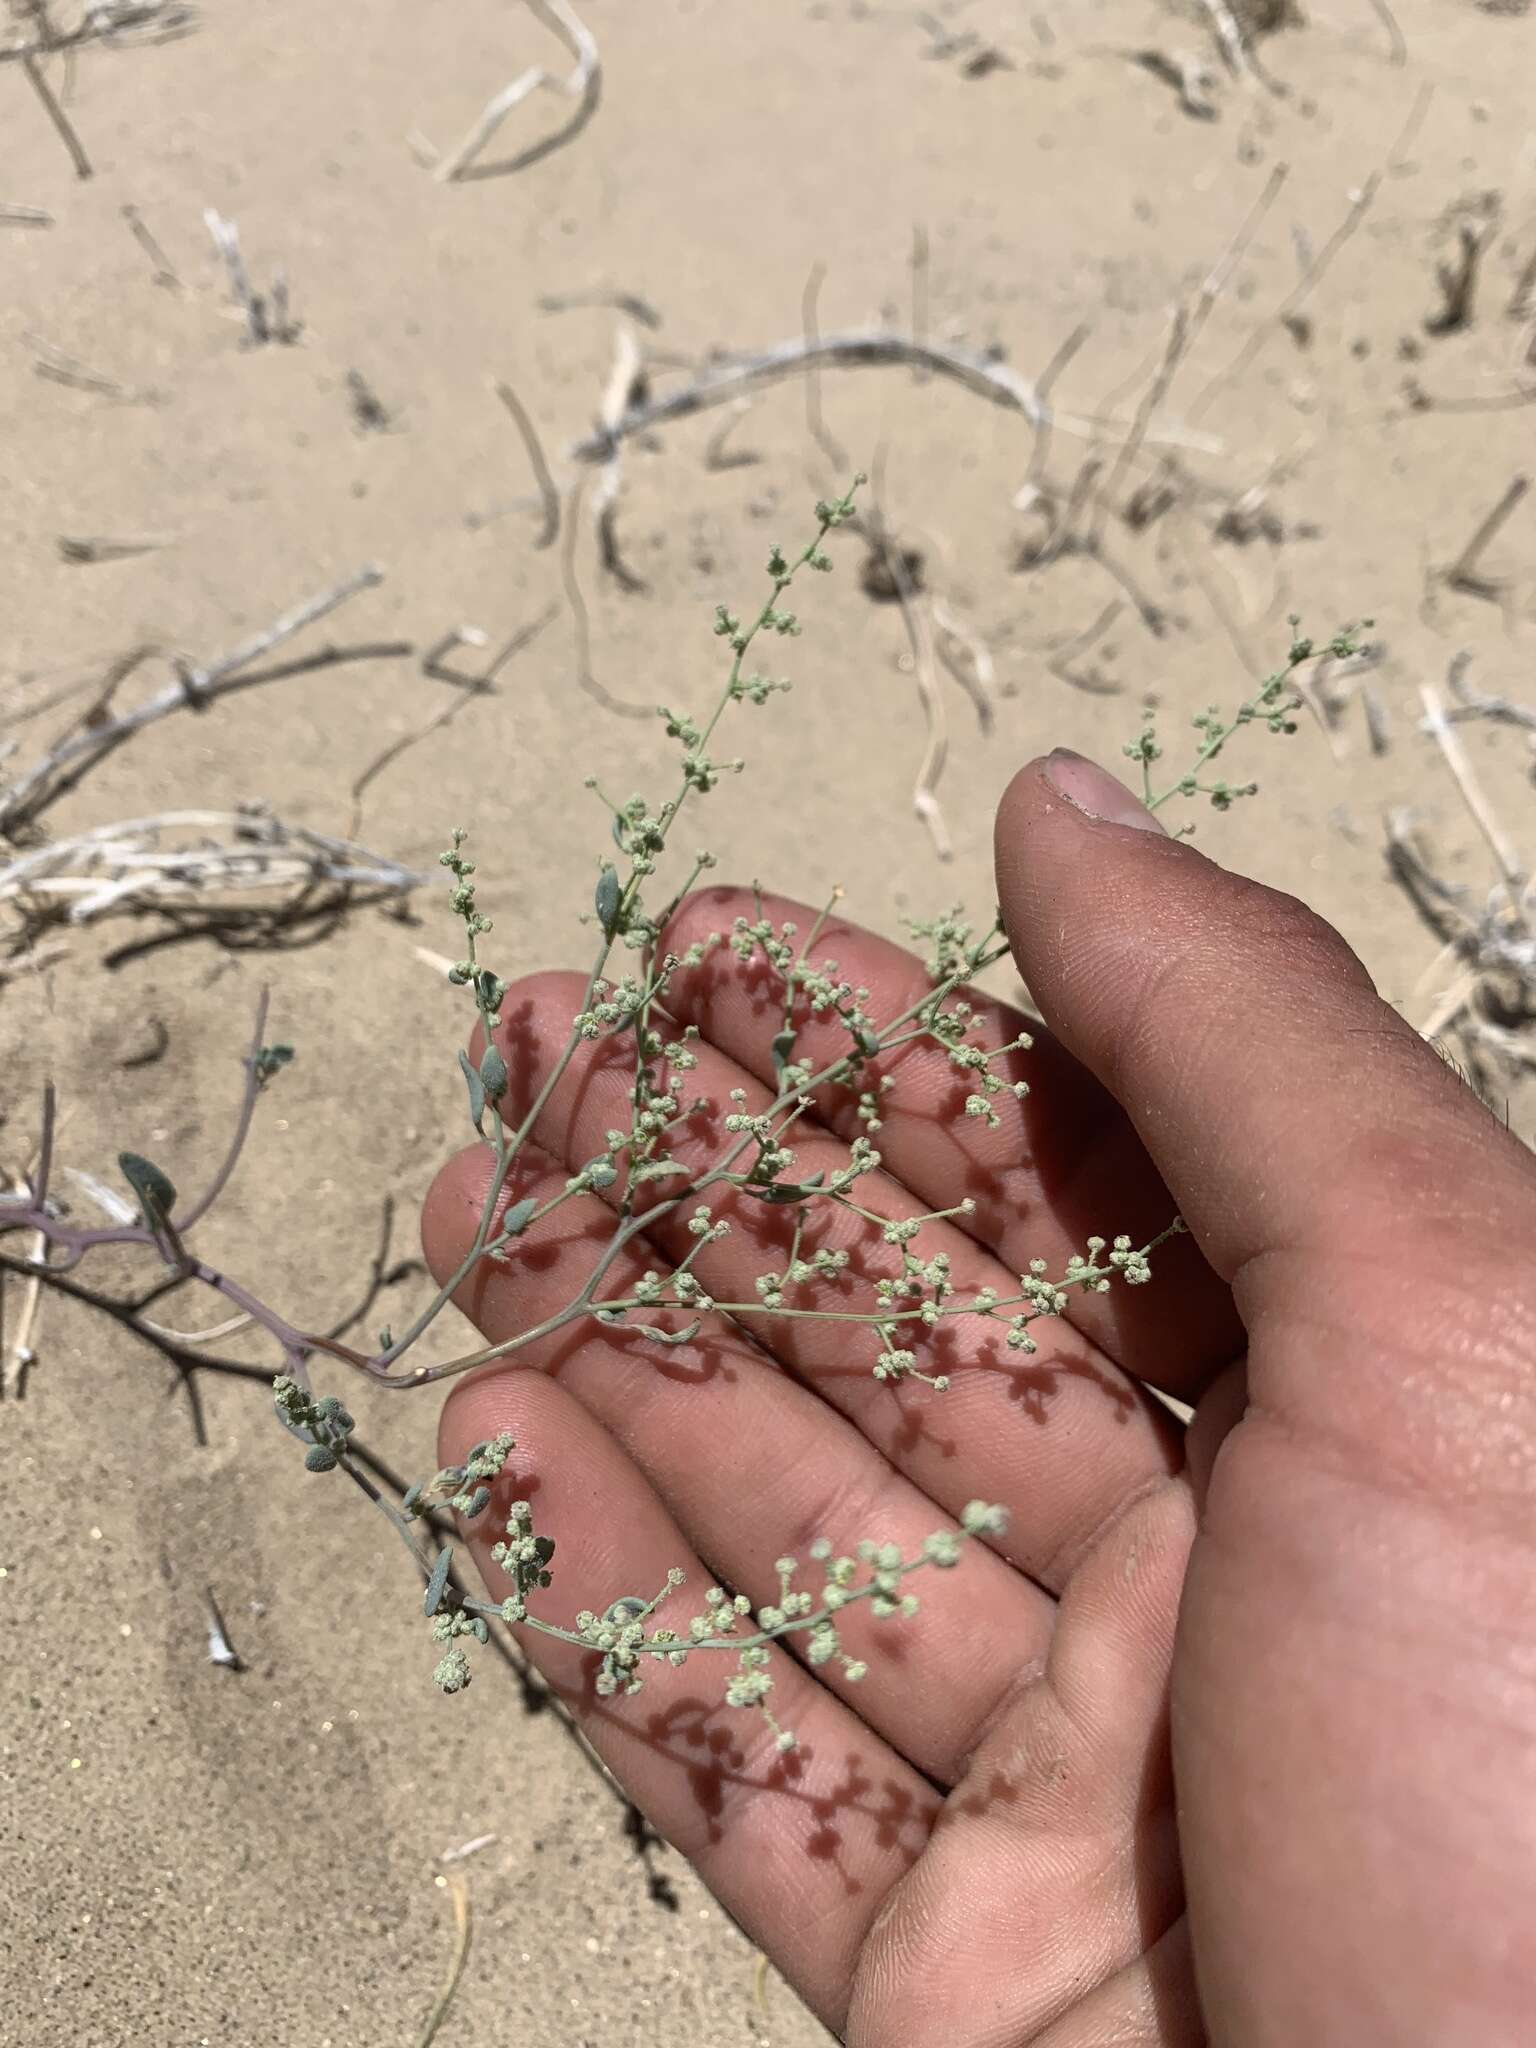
[{"x": 1288, "y": 1108}]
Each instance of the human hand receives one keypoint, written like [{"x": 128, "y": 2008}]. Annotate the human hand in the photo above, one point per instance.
[{"x": 1333, "y": 1573}]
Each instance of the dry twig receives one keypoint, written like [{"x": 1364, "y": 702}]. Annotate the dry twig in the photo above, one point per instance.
[
  {"x": 23, "y": 800},
  {"x": 177, "y": 858},
  {"x": 1457, "y": 279},
  {"x": 1448, "y": 741},
  {"x": 1465, "y": 573},
  {"x": 1491, "y": 1000},
  {"x": 716, "y": 455},
  {"x": 1397, "y": 42},
  {"x": 583, "y": 83},
  {"x": 1189, "y": 75},
  {"x": 470, "y": 687},
  {"x": 815, "y": 421},
  {"x": 59, "y": 367},
  {"x": 633, "y": 303},
  {"x": 581, "y": 621},
  {"x": 549, "y": 496},
  {"x": 625, "y": 380},
  {"x": 267, "y": 316},
  {"x": 53, "y": 108},
  {"x": 82, "y": 550},
  {"x": 165, "y": 270},
  {"x": 1360, "y": 205},
  {"x": 459, "y": 1892},
  {"x": 725, "y": 380}
]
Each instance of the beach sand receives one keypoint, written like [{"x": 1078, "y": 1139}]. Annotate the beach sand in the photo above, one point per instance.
[{"x": 198, "y": 1854}]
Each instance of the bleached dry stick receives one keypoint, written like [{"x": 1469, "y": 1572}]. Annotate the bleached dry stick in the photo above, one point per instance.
[
  {"x": 581, "y": 621},
  {"x": 716, "y": 455},
  {"x": 1189, "y": 75},
  {"x": 62, "y": 124},
  {"x": 1230, "y": 39},
  {"x": 634, "y": 304},
  {"x": 16, "y": 1337},
  {"x": 1397, "y": 42},
  {"x": 267, "y": 317},
  {"x": 12, "y": 216},
  {"x": 1032, "y": 489},
  {"x": 1187, "y": 325},
  {"x": 583, "y": 83},
  {"x": 978, "y": 373},
  {"x": 1360, "y": 205},
  {"x": 815, "y": 419},
  {"x": 1472, "y": 703},
  {"x": 434, "y": 664},
  {"x": 165, "y": 270},
  {"x": 27, "y": 797},
  {"x": 925, "y": 800},
  {"x": 615, "y": 402},
  {"x": 1463, "y": 573},
  {"x": 968, "y": 658},
  {"x": 113, "y": 24},
  {"x": 1449, "y": 742},
  {"x": 1500, "y": 943},
  {"x": 125, "y": 865},
  {"x": 59, "y": 367},
  {"x": 549, "y": 496},
  {"x": 919, "y": 628}
]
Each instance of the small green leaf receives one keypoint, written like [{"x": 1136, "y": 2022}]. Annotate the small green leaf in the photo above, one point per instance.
[
  {"x": 782, "y": 1046},
  {"x": 270, "y": 1059},
  {"x": 476, "y": 1089},
  {"x": 518, "y": 1217},
  {"x": 607, "y": 899},
  {"x": 493, "y": 1074},
  {"x": 437, "y": 1584},
  {"x": 155, "y": 1190},
  {"x": 318, "y": 1459}
]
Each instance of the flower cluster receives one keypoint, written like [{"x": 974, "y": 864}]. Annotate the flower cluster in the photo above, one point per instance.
[{"x": 897, "y": 1312}]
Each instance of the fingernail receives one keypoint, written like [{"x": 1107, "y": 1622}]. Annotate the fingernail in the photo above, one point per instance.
[{"x": 1095, "y": 792}]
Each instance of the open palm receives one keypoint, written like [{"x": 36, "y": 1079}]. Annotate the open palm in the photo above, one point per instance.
[{"x": 979, "y": 1843}]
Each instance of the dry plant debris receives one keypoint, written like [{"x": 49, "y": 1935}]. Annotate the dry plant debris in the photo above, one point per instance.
[{"x": 582, "y": 83}]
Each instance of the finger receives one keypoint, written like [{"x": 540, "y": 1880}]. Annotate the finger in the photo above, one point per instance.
[
  {"x": 1060, "y": 1438},
  {"x": 1063, "y": 1164},
  {"x": 1067, "y": 1804},
  {"x": 1294, "y": 1115},
  {"x": 933, "y": 1678},
  {"x": 802, "y": 1847}
]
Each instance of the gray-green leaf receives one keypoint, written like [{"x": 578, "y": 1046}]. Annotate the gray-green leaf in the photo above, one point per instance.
[
  {"x": 607, "y": 900},
  {"x": 156, "y": 1191},
  {"x": 438, "y": 1582}
]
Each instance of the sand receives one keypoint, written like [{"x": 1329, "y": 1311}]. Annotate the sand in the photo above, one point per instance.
[{"x": 196, "y": 1854}]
